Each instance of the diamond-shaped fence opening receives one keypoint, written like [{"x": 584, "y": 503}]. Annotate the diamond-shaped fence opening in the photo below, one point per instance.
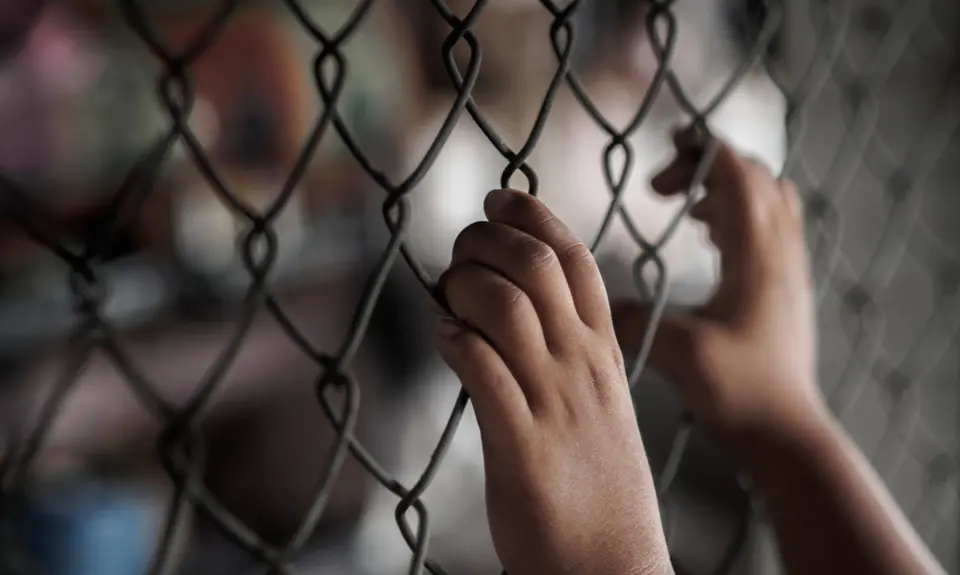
[{"x": 203, "y": 199}]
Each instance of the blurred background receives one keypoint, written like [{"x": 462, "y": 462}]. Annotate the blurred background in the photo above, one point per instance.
[{"x": 82, "y": 109}]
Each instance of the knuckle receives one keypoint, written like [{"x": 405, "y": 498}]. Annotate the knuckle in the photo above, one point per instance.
[
  {"x": 757, "y": 186},
  {"x": 758, "y": 212},
  {"x": 792, "y": 194},
  {"x": 789, "y": 187},
  {"x": 509, "y": 300},
  {"x": 756, "y": 177},
  {"x": 536, "y": 254},
  {"x": 577, "y": 254},
  {"x": 606, "y": 376},
  {"x": 758, "y": 170},
  {"x": 739, "y": 178},
  {"x": 465, "y": 283}
]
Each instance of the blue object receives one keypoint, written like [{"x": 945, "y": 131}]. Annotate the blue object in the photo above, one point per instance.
[{"x": 87, "y": 528}]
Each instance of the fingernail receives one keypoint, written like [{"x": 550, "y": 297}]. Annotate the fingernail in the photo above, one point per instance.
[
  {"x": 449, "y": 328},
  {"x": 497, "y": 200}
]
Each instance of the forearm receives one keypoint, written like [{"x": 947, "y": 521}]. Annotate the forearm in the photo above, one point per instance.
[
  {"x": 641, "y": 549},
  {"x": 830, "y": 511}
]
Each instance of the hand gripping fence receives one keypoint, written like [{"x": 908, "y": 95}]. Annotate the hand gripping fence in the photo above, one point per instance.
[{"x": 863, "y": 316}]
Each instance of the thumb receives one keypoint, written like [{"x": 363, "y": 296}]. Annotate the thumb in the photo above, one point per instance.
[{"x": 674, "y": 338}]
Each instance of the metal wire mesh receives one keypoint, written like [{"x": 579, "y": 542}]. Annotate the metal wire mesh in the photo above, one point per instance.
[{"x": 851, "y": 290}]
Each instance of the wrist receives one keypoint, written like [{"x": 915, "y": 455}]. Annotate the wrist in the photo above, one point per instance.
[
  {"x": 658, "y": 565},
  {"x": 805, "y": 426},
  {"x": 648, "y": 556}
]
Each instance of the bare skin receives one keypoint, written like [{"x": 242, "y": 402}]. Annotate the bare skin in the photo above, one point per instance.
[
  {"x": 745, "y": 364},
  {"x": 569, "y": 489}
]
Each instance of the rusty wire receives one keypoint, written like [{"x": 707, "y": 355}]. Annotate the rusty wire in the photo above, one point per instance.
[{"x": 337, "y": 389}]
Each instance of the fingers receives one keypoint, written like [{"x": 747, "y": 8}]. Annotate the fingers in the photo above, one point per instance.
[
  {"x": 526, "y": 213},
  {"x": 726, "y": 170},
  {"x": 493, "y": 305},
  {"x": 503, "y": 314},
  {"x": 741, "y": 194},
  {"x": 729, "y": 175},
  {"x": 497, "y": 398},
  {"x": 527, "y": 286},
  {"x": 527, "y": 262}
]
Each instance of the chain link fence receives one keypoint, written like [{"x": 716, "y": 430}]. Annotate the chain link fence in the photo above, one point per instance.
[{"x": 873, "y": 118}]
